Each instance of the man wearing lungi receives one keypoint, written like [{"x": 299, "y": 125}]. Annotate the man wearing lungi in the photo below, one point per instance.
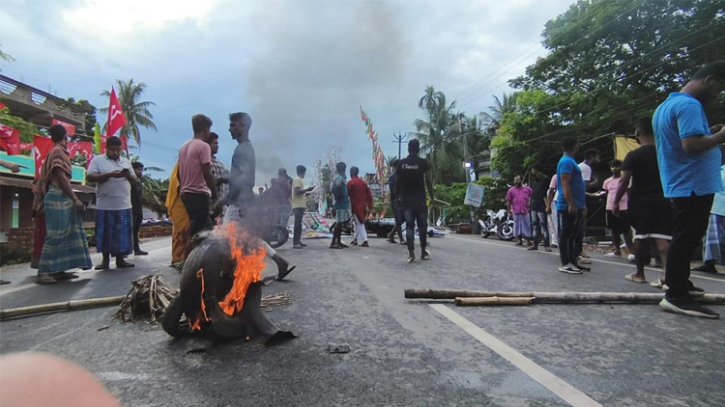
[
  {"x": 517, "y": 200},
  {"x": 65, "y": 246},
  {"x": 113, "y": 176},
  {"x": 714, "y": 244}
]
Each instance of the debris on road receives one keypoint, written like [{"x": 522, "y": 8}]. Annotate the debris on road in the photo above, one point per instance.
[
  {"x": 103, "y": 328},
  {"x": 196, "y": 351},
  {"x": 58, "y": 307},
  {"x": 342, "y": 348},
  {"x": 150, "y": 296},
  {"x": 275, "y": 300}
]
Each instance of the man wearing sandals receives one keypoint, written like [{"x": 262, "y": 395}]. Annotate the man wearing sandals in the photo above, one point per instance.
[
  {"x": 342, "y": 205},
  {"x": 65, "y": 245},
  {"x": 411, "y": 179},
  {"x": 689, "y": 160},
  {"x": 649, "y": 211},
  {"x": 114, "y": 216}
]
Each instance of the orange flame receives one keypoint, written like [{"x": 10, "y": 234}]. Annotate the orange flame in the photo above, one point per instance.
[
  {"x": 248, "y": 270},
  {"x": 197, "y": 324}
]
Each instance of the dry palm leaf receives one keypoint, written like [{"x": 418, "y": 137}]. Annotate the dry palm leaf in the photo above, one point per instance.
[{"x": 149, "y": 296}]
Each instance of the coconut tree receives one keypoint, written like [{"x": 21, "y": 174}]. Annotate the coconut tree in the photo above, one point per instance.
[
  {"x": 492, "y": 120},
  {"x": 137, "y": 113}
]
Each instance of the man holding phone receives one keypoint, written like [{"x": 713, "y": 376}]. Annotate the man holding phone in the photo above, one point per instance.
[
  {"x": 299, "y": 204},
  {"x": 114, "y": 218}
]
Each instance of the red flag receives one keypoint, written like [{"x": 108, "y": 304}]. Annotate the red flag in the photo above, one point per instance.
[
  {"x": 26, "y": 147},
  {"x": 69, "y": 128},
  {"x": 83, "y": 147},
  {"x": 9, "y": 140},
  {"x": 116, "y": 119},
  {"x": 43, "y": 145}
]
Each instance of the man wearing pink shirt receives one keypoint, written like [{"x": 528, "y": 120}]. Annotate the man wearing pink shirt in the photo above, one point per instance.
[
  {"x": 617, "y": 222},
  {"x": 517, "y": 199}
]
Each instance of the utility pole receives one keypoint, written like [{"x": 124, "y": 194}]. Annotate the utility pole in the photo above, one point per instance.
[
  {"x": 399, "y": 139},
  {"x": 465, "y": 164}
]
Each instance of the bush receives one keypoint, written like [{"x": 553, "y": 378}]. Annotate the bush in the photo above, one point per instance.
[{"x": 10, "y": 256}]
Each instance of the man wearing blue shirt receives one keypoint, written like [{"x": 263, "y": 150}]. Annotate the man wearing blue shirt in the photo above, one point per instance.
[
  {"x": 689, "y": 162},
  {"x": 570, "y": 207}
]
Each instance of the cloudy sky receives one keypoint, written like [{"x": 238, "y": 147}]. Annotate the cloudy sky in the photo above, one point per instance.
[{"x": 300, "y": 68}]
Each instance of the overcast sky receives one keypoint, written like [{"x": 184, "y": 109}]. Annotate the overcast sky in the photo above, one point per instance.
[{"x": 301, "y": 69}]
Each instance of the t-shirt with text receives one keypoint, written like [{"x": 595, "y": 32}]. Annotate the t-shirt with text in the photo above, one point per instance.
[{"x": 410, "y": 176}]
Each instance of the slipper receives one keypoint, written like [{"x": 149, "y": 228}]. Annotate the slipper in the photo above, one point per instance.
[
  {"x": 344, "y": 246},
  {"x": 336, "y": 247},
  {"x": 66, "y": 276},
  {"x": 657, "y": 283},
  {"x": 281, "y": 276},
  {"x": 3, "y": 282},
  {"x": 124, "y": 265},
  {"x": 44, "y": 279},
  {"x": 630, "y": 277}
]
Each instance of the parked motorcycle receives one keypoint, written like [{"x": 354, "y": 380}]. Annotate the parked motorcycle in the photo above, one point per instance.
[{"x": 497, "y": 223}]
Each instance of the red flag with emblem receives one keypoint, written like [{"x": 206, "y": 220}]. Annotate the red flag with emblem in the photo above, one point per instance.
[
  {"x": 9, "y": 140},
  {"x": 69, "y": 128},
  {"x": 116, "y": 119},
  {"x": 43, "y": 145}
]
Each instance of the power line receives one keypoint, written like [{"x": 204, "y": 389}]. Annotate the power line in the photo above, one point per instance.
[{"x": 576, "y": 42}]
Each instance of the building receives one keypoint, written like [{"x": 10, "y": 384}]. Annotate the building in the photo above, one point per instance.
[{"x": 16, "y": 190}]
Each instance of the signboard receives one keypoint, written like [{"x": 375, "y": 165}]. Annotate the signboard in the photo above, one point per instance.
[
  {"x": 474, "y": 195},
  {"x": 79, "y": 173}
]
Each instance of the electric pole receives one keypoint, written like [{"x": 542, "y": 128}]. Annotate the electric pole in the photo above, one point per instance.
[{"x": 399, "y": 139}]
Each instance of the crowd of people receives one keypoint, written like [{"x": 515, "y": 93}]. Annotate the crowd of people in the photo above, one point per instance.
[{"x": 669, "y": 190}]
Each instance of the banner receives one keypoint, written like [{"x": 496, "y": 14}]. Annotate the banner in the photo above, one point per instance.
[
  {"x": 474, "y": 195},
  {"x": 9, "y": 140},
  {"x": 69, "y": 128},
  {"x": 83, "y": 147},
  {"x": 43, "y": 145}
]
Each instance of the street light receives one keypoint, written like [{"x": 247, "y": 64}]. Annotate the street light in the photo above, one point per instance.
[{"x": 467, "y": 164}]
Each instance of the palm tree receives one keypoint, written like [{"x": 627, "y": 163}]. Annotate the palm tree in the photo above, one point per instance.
[
  {"x": 506, "y": 104},
  {"x": 137, "y": 113}
]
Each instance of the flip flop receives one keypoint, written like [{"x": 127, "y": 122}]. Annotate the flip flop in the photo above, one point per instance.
[
  {"x": 657, "y": 284},
  {"x": 124, "y": 265},
  {"x": 335, "y": 247},
  {"x": 630, "y": 277}
]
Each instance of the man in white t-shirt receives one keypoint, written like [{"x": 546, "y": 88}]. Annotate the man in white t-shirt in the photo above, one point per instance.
[
  {"x": 591, "y": 158},
  {"x": 114, "y": 218}
]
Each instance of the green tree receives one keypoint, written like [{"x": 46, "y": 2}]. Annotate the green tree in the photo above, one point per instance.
[
  {"x": 136, "y": 112},
  {"x": 492, "y": 119},
  {"x": 5, "y": 57}
]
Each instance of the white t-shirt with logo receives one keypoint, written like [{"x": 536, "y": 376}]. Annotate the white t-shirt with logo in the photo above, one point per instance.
[{"x": 114, "y": 194}]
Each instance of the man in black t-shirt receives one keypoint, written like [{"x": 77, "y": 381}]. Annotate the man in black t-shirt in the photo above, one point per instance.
[
  {"x": 539, "y": 221},
  {"x": 649, "y": 211},
  {"x": 412, "y": 174}
]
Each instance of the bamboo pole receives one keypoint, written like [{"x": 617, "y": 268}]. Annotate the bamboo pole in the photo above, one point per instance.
[
  {"x": 558, "y": 297},
  {"x": 58, "y": 307},
  {"x": 465, "y": 301}
]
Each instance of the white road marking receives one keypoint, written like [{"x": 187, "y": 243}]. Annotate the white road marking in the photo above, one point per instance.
[
  {"x": 692, "y": 274},
  {"x": 84, "y": 275},
  {"x": 555, "y": 384}
]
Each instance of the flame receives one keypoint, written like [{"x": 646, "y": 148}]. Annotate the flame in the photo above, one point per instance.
[
  {"x": 248, "y": 270},
  {"x": 197, "y": 324}
]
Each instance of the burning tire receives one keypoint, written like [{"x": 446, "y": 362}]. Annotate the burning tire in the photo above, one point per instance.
[{"x": 208, "y": 294}]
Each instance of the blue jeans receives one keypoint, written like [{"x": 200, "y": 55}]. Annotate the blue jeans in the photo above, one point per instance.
[
  {"x": 416, "y": 214},
  {"x": 540, "y": 226}
]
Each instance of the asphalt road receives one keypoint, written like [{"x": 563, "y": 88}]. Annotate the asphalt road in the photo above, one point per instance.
[{"x": 402, "y": 352}]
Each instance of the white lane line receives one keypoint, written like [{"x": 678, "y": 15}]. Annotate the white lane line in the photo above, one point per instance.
[
  {"x": 84, "y": 275},
  {"x": 692, "y": 274},
  {"x": 556, "y": 385}
]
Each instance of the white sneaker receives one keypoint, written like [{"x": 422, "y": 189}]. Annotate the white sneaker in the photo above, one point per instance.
[
  {"x": 631, "y": 258},
  {"x": 569, "y": 269}
]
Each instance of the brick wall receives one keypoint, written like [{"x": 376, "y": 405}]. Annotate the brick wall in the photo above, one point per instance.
[
  {"x": 20, "y": 239},
  {"x": 154, "y": 231}
]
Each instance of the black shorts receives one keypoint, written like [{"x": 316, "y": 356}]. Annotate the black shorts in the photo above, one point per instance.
[
  {"x": 618, "y": 224},
  {"x": 651, "y": 217}
]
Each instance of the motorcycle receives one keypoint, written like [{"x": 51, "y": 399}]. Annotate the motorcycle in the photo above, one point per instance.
[
  {"x": 276, "y": 236},
  {"x": 497, "y": 223}
]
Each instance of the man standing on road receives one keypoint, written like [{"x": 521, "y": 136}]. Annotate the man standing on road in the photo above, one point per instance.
[
  {"x": 517, "y": 201},
  {"x": 282, "y": 186},
  {"x": 342, "y": 205},
  {"x": 591, "y": 159},
  {"x": 195, "y": 178},
  {"x": 220, "y": 174},
  {"x": 65, "y": 246},
  {"x": 714, "y": 244},
  {"x": 570, "y": 207},
  {"x": 397, "y": 210},
  {"x": 649, "y": 211},
  {"x": 538, "y": 207},
  {"x": 617, "y": 221},
  {"x": 241, "y": 184},
  {"x": 113, "y": 176},
  {"x": 361, "y": 205},
  {"x": 689, "y": 156},
  {"x": 137, "y": 204},
  {"x": 551, "y": 198},
  {"x": 412, "y": 175},
  {"x": 299, "y": 205}
]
